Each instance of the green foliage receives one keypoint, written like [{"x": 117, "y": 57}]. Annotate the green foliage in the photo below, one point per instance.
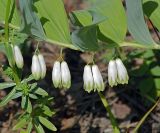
[
  {"x": 109, "y": 29},
  {"x": 136, "y": 24},
  {"x": 147, "y": 74},
  {"x": 152, "y": 10},
  {"x": 47, "y": 123},
  {"x": 6, "y": 85},
  {"x": 34, "y": 114},
  {"x": 31, "y": 24},
  {"x": 112, "y": 30},
  {"x": 14, "y": 16},
  {"x": 54, "y": 20},
  {"x": 87, "y": 34},
  {"x": 6, "y": 99}
]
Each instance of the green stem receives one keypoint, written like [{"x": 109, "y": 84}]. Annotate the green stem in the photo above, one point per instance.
[
  {"x": 6, "y": 20},
  {"x": 8, "y": 48},
  {"x": 111, "y": 116},
  {"x": 145, "y": 116}
]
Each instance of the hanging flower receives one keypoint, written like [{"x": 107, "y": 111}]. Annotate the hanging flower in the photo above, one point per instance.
[
  {"x": 56, "y": 74},
  {"x": 66, "y": 76},
  {"x": 61, "y": 76},
  {"x": 122, "y": 72},
  {"x": 98, "y": 80},
  {"x": 112, "y": 73},
  {"x": 42, "y": 65},
  {"x": 117, "y": 73},
  {"x": 18, "y": 57},
  {"x": 88, "y": 79},
  {"x": 93, "y": 80},
  {"x": 36, "y": 68}
]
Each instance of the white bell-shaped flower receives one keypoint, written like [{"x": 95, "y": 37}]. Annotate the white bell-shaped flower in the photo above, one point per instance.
[
  {"x": 66, "y": 75},
  {"x": 112, "y": 73},
  {"x": 98, "y": 80},
  {"x": 36, "y": 68},
  {"x": 43, "y": 65},
  {"x": 56, "y": 74},
  {"x": 18, "y": 57},
  {"x": 88, "y": 79},
  {"x": 122, "y": 72}
]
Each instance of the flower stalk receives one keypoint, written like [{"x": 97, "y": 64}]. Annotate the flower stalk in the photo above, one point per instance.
[{"x": 111, "y": 116}]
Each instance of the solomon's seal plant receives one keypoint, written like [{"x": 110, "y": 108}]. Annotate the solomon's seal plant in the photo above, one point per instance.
[{"x": 46, "y": 21}]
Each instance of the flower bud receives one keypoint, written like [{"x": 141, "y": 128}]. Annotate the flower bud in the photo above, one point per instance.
[
  {"x": 98, "y": 80},
  {"x": 43, "y": 65},
  {"x": 88, "y": 79},
  {"x": 18, "y": 57},
  {"x": 66, "y": 75},
  {"x": 112, "y": 73},
  {"x": 56, "y": 74},
  {"x": 36, "y": 68},
  {"x": 122, "y": 72}
]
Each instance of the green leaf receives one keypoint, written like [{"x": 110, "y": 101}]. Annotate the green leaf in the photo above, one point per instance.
[
  {"x": 31, "y": 24},
  {"x": 38, "y": 126},
  {"x": 55, "y": 23},
  {"x": 23, "y": 102},
  {"x": 136, "y": 23},
  {"x": 26, "y": 80},
  {"x": 6, "y": 85},
  {"x": 26, "y": 104},
  {"x": 29, "y": 128},
  {"x": 110, "y": 30},
  {"x": 33, "y": 86},
  {"x": 115, "y": 27},
  {"x": 21, "y": 123},
  {"x": 47, "y": 123},
  {"x": 86, "y": 37},
  {"x": 156, "y": 71},
  {"x": 47, "y": 111},
  {"x": 157, "y": 83},
  {"x": 29, "y": 107},
  {"x": 40, "y": 91},
  {"x": 81, "y": 18},
  {"x": 152, "y": 10},
  {"x": 17, "y": 95},
  {"x": 6, "y": 99},
  {"x": 33, "y": 96}
]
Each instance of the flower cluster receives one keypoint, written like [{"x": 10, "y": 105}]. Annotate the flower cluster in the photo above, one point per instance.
[
  {"x": 61, "y": 76},
  {"x": 38, "y": 67},
  {"x": 117, "y": 73},
  {"x": 92, "y": 79}
]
